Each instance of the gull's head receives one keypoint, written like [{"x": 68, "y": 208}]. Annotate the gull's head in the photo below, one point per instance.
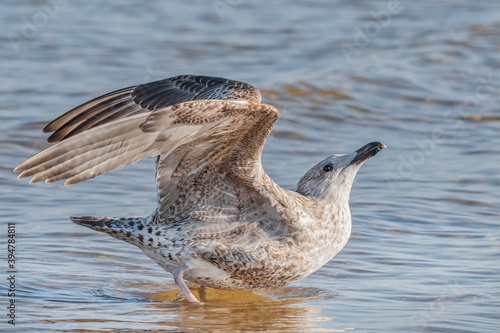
[{"x": 332, "y": 178}]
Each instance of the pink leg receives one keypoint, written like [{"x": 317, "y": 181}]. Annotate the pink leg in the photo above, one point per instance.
[{"x": 177, "y": 273}]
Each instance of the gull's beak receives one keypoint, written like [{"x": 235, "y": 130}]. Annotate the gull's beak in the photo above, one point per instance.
[{"x": 367, "y": 151}]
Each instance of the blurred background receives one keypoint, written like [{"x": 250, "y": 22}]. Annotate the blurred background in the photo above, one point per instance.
[{"x": 420, "y": 76}]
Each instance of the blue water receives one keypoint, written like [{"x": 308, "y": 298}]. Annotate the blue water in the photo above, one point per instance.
[{"x": 422, "y": 77}]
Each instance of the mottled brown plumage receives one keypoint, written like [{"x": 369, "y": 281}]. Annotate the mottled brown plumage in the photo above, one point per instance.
[{"x": 221, "y": 221}]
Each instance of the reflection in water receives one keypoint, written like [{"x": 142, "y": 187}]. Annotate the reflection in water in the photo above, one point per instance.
[
  {"x": 234, "y": 311},
  {"x": 221, "y": 310}
]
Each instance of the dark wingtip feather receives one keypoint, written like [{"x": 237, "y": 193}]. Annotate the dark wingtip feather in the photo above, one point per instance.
[
  {"x": 51, "y": 127},
  {"x": 55, "y": 137}
]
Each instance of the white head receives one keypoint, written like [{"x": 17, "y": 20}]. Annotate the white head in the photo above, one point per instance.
[{"x": 332, "y": 178}]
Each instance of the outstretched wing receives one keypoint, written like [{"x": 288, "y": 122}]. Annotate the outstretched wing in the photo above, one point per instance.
[
  {"x": 213, "y": 171},
  {"x": 208, "y": 165},
  {"x": 145, "y": 98}
]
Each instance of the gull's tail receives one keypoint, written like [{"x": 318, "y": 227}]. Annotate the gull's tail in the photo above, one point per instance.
[{"x": 129, "y": 229}]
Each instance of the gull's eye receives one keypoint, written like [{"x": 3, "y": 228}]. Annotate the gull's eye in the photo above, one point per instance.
[{"x": 328, "y": 168}]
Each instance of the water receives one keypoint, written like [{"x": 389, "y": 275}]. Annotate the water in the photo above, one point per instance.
[{"x": 423, "y": 79}]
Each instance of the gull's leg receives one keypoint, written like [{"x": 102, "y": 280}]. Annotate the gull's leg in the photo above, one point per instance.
[{"x": 177, "y": 273}]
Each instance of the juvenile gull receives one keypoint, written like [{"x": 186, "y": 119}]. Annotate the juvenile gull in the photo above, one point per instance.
[{"x": 220, "y": 222}]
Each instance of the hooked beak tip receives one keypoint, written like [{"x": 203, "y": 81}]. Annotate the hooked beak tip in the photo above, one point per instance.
[{"x": 367, "y": 151}]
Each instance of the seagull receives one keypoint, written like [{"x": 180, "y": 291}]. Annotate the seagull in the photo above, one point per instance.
[{"x": 220, "y": 221}]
